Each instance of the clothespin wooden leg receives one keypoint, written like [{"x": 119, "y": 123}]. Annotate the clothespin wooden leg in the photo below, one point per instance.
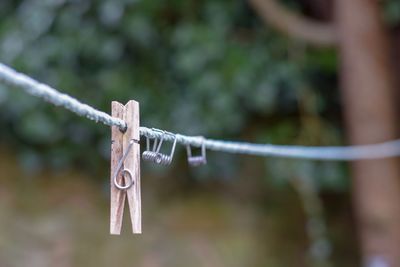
[
  {"x": 132, "y": 163},
  {"x": 125, "y": 159},
  {"x": 117, "y": 196}
]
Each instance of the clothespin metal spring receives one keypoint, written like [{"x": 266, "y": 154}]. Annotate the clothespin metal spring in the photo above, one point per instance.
[
  {"x": 125, "y": 172},
  {"x": 154, "y": 155},
  {"x": 197, "y": 160}
]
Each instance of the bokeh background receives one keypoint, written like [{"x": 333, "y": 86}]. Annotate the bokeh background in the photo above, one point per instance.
[{"x": 222, "y": 69}]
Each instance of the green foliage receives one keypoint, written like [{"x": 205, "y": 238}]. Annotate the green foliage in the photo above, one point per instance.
[
  {"x": 392, "y": 11},
  {"x": 198, "y": 67}
]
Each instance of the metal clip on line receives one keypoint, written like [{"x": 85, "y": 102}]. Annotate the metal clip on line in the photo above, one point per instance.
[
  {"x": 154, "y": 155},
  {"x": 197, "y": 160},
  {"x": 125, "y": 172}
]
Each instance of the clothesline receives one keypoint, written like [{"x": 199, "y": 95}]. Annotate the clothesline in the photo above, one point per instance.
[{"x": 14, "y": 79}]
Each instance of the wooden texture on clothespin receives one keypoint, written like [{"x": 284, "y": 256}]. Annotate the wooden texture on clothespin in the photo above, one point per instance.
[{"x": 121, "y": 142}]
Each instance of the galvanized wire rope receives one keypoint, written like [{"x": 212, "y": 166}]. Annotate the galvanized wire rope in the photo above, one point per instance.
[{"x": 15, "y": 79}]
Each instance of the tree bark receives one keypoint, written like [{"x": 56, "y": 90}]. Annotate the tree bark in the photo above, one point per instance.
[{"x": 367, "y": 82}]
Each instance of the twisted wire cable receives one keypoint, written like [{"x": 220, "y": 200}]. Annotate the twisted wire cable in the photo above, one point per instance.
[
  {"x": 15, "y": 79},
  {"x": 371, "y": 151},
  {"x": 18, "y": 80}
]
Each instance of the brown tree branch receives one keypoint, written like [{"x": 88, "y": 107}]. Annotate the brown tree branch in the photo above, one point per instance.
[{"x": 294, "y": 25}]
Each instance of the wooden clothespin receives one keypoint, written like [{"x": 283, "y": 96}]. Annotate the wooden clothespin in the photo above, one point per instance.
[{"x": 125, "y": 167}]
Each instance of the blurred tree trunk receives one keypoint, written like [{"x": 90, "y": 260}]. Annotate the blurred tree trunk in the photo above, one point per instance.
[{"x": 367, "y": 82}]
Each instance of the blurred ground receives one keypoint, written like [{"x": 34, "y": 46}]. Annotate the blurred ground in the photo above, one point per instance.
[{"x": 61, "y": 219}]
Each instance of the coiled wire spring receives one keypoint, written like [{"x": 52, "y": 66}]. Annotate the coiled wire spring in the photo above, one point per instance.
[{"x": 154, "y": 155}]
